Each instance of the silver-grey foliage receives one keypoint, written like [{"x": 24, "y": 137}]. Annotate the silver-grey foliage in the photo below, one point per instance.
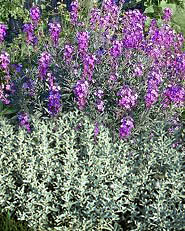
[{"x": 57, "y": 176}]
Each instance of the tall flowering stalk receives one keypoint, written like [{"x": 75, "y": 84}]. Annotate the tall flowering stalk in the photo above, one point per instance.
[
  {"x": 4, "y": 61},
  {"x": 35, "y": 15},
  {"x": 68, "y": 51},
  {"x": 54, "y": 98},
  {"x": 128, "y": 97},
  {"x": 89, "y": 63},
  {"x": 74, "y": 12},
  {"x": 83, "y": 40},
  {"x": 24, "y": 121},
  {"x": 28, "y": 28},
  {"x": 81, "y": 92},
  {"x": 54, "y": 30},
  {"x": 44, "y": 63},
  {"x": 174, "y": 94},
  {"x": 99, "y": 100},
  {"x": 126, "y": 127},
  {"x": 3, "y": 31}
]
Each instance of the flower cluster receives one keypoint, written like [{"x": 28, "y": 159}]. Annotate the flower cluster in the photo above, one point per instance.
[
  {"x": 116, "y": 49},
  {"x": 54, "y": 104},
  {"x": 68, "y": 51},
  {"x": 4, "y": 60},
  {"x": 28, "y": 87},
  {"x": 82, "y": 38},
  {"x": 89, "y": 63},
  {"x": 154, "y": 80},
  {"x": 5, "y": 93},
  {"x": 111, "y": 13},
  {"x": 54, "y": 29},
  {"x": 35, "y": 14},
  {"x": 174, "y": 94},
  {"x": 81, "y": 93},
  {"x": 28, "y": 28},
  {"x": 74, "y": 12},
  {"x": 94, "y": 18},
  {"x": 3, "y": 29},
  {"x": 167, "y": 14},
  {"x": 133, "y": 29},
  {"x": 138, "y": 71},
  {"x": 44, "y": 62},
  {"x": 99, "y": 102},
  {"x": 24, "y": 121},
  {"x": 128, "y": 97},
  {"x": 126, "y": 127}
]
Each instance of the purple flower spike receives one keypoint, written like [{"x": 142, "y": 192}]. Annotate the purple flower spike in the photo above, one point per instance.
[
  {"x": 3, "y": 29},
  {"x": 126, "y": 127},
  {"x": 116, "y": 49},
  {"x": 81, "y": 93},
  {"x": 68, "y": 51},
  {"x": 4, "y": 60},
  {"x": 128, "y": 97},
  {"x": 44, "y": 62},
  {"x": 54, "y": 104},
  {"x": 82, "y": 38},
  {"x": 151, "y": 96},
  {"x": 35, "y": 14},
  {"x": 174, "y": 94},
  {"x": 28, "y": 28},
  {"x": 54, "y": 29},
  {"x": 167, "y": 14},
  {"x": 74, "y": 12},
  {"x": 24, "y": 121}
]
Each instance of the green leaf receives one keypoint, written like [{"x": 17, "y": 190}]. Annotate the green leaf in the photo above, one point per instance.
[
  {"x": 9, "y": 110},
  {"x": 183, "y": 115},
  {"x": 149, "y": 10},
  {"x": 1, "y": 106}
]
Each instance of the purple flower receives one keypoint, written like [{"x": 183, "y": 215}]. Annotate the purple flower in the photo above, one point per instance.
[
  {"x": 81, "y": 93},
  {"x": 89, "y": 63},
  {"x": 174, "y": 94},
  {"x": 139, "y": 69},
  {"x": 35, "y": 14},
  {"x": 100, "y": 105},
  {"x": 99, "y": 102},
  {"x": 128, "y": 97},
  {"x": 94, "y": 18},
  {"x": 50, "y": 79},
  {"x": 54, "y": 104},
  {"x": 133, "y": 29},
  {"x": 68, "y": 51},
  {"x": 116, "y": 49},
  {"x": 167, "y": 14},
  {"x": 17, "y": 67},
  {"x": 28, "y": 28},
  {"x": 4, "y": 60},
  {"x": 126, "y": 127},
  {"x": 96, "y": 130},
  {"x": 82, "y": 38},
  {"x": 44, "y": 62},
  {"x": 24, "y": 120},
  {"x": 74, "y": 12},
  {"x": 28, "y": 86},
  {"x": 54, "y": 29},
  {"x": 151, "y": 96},
  {"x": 3, "y": 29}
]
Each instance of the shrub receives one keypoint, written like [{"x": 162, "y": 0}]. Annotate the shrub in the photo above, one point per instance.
[
  {"x": 108, "y": 58},
  {"x": 61, "y": 176}
]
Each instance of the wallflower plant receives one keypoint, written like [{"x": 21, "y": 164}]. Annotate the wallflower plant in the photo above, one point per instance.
[{"x": 134, "y": 68}]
